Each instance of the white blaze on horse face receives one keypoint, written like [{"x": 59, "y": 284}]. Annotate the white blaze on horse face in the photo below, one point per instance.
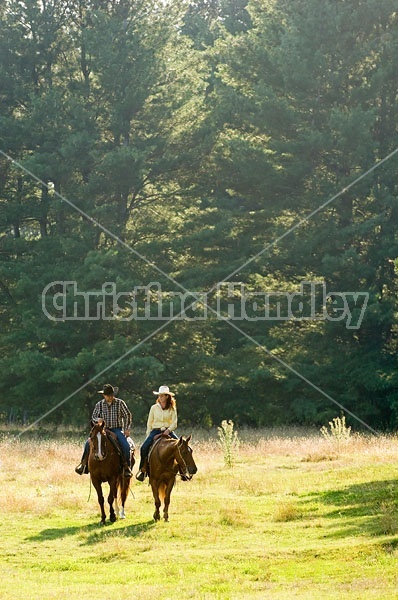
[{"x": 100, "y": 455}]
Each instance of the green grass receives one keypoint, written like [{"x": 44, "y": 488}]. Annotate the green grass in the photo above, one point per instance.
[{"x": 292, "y": 519}]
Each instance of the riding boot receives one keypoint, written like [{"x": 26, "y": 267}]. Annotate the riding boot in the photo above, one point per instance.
[
  {"x": 82, "y": 468},
  {"x": 127, "y": 470},
  {"x": 143, "y": 470}
]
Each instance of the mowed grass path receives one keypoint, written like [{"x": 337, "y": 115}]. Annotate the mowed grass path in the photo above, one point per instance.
[{"x": 295, "y": 517}]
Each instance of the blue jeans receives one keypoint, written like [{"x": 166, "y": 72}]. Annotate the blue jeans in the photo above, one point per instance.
[
  {"x": 146, "y": 444},
  {"x": 125, "y": 446}
]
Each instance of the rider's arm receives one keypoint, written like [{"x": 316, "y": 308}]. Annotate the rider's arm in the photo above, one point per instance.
[
  {"x": 149, "y": 424},
  {"x": 96, "y": 413},
  {"x": 127, "y": 417},
  {"x": 173, "y": 424}
]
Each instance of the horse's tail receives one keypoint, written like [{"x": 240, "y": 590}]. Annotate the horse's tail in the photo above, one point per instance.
[
  {"x": 162, "y": 491},
  {"x": 123, "y": 486}
]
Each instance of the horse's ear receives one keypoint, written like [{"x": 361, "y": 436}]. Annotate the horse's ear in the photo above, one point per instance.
[{"x": 188, "y": 439}]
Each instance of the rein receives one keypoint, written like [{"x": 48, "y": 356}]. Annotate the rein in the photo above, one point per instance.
[
  {"x": 182, "y": 460},
  {"x": 89, "y": 491}
]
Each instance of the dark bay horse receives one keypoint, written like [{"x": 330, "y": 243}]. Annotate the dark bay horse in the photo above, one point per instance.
[
  {"x": 167, "y": 457},
  {"x": 104, "y": 466}
]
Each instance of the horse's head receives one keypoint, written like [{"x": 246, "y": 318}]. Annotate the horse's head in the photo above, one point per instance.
[
  {"x": 98, "y": 441},
  {"x": 186, "y": 455}
]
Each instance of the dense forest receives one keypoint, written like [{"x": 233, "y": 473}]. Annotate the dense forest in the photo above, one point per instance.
[{"x": 166, "y": 165}]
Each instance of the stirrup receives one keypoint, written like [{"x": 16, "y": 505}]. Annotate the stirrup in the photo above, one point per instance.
[
  {"x": 127, "y": 472},
  {"x": 80, "y": 469},
  {"x": 140, "y": 476}
]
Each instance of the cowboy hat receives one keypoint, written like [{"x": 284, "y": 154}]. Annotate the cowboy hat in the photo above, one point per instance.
[
  {"x": 164, "y": 389},
  {"x": 109, "y": 390}
]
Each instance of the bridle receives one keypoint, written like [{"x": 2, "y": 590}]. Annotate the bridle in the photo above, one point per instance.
[{"x": 183, "y": 466}]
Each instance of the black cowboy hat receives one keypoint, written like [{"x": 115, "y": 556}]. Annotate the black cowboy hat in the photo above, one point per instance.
[{"x": 109, "y": 390}]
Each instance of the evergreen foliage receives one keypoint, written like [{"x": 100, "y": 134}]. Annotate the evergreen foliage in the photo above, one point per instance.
[{"x": 192, "y": 144}]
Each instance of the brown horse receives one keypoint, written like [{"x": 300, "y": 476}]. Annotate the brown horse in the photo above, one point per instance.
[
  {"x": 104, "y": 466},
  {"x": 167, "y": 457}
]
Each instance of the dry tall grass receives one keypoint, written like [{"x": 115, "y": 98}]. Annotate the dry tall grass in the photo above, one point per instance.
[
  {"x": 296, "y": 512},
  {"x": 48, "y": 464}
]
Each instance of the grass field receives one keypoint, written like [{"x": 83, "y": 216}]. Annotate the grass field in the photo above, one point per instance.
[{"x": 295, "y": 517}]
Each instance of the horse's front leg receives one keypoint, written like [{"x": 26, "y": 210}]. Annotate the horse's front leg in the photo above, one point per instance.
[
  {"x": 98, "y": 487},
  {"x": 123, "y": 487},
  {"x": 111, "y": 498},
  {"x": 167, "y": 495},
  {"x": 155, "y": 492}
]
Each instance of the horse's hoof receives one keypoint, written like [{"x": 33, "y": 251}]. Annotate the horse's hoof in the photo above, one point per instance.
[
  {"x": 156, "y": 517},
  {"x": 112, "y": 519}
]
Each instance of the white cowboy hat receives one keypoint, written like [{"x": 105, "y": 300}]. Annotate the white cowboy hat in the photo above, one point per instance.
[{"x": 164, "y": 389}]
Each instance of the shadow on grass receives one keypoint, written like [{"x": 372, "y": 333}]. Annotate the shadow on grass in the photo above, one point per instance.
[
  {"x": 370, "y": 507},
  {"x": 94, "y": 532}
]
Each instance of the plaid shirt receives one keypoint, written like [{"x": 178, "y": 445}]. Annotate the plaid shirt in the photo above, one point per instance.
[{"x": 115, "y": 415}]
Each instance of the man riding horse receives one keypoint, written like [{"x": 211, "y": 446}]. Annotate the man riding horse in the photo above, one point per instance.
[{"x": 115, "y": 414}]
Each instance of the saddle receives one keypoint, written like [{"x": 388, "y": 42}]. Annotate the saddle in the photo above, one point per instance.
[
  {"x": 112, "y": 437},
  {"x": 155, "y": 442}
]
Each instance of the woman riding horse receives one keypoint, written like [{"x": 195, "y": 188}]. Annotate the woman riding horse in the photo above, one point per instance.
[{"x": 162, "y": 420}]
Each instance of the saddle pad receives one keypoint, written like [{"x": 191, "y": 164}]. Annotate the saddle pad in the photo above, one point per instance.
[{"x": 155, "y": 443}]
